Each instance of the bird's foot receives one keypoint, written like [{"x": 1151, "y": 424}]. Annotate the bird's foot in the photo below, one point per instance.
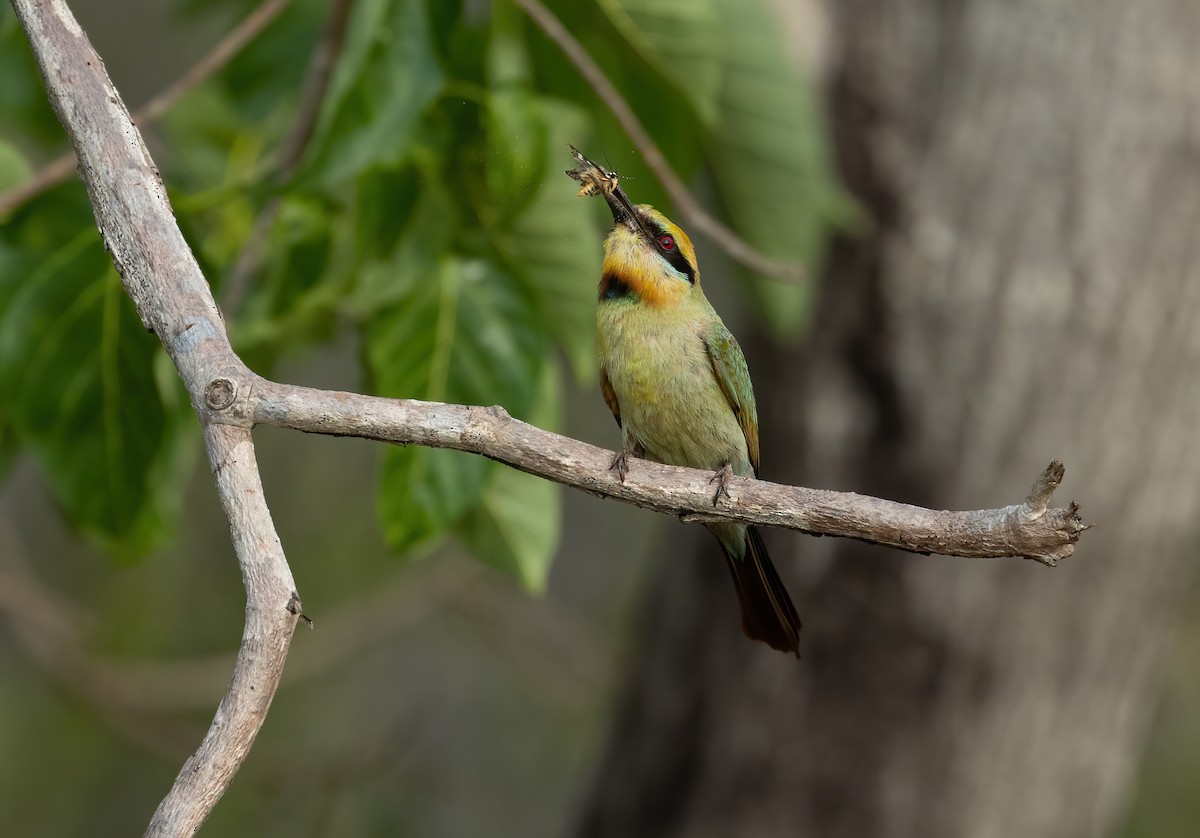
[
  {"x": 620, "y": 463},
  {"x": 721, "y": 478}
]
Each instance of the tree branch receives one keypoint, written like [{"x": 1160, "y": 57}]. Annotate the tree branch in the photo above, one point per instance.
[
  {"x": 1027, "y": 529},
  {"x": 272, "y": 608},
  {"x": 173, "y": 299},
  {"x": 694, "y": 215}
]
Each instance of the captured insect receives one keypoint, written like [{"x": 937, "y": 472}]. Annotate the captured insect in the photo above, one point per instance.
[{"x": 595, "y": 180}]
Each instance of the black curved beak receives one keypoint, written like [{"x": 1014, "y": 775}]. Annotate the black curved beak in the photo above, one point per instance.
[{"x": 623, "y": 211}]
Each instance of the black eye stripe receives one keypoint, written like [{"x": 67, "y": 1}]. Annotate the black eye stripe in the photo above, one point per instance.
[
  {"x": 674, "y": 256},
  {"x": 680, "y": 263}
]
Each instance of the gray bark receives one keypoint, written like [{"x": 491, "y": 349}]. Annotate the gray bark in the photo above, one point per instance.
[
  {"x": 173, "y": 300},
  {"x": 1029, "y": 288}
]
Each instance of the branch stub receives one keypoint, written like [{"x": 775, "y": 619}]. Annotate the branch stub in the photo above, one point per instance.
[{"x": 220, "y": 393}]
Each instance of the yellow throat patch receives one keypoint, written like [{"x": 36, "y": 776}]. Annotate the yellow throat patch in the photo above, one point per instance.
[{"x": 636, "y": 263}]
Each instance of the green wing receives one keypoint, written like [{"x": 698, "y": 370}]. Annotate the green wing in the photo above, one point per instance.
[{"x": 729, "y": 365}]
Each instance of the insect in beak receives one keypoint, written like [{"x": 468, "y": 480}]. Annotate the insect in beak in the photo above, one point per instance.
[{"x": 595, "y": 178}]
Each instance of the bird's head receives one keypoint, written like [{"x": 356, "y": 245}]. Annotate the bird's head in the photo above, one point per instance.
[{"x": 646, "y": 257}]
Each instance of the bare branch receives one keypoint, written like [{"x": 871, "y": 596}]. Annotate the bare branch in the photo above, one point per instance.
[
  {"x": 272, "y": 607},
  {"x": 1023, "y": 530},
  {"x": 689, "y": 208},
  {"x": 1042, "y": 488},
  {"x": 60, "y": 168},
  {"x": 173, "y": 299}
]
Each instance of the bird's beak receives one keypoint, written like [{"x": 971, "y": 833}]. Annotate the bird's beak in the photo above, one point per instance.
[
  {"x": 618, "y": 202},
  {"x": 624, "y": 213}
]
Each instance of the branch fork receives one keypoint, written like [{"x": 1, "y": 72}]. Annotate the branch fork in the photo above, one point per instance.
[{"x": 175, "y": 301}]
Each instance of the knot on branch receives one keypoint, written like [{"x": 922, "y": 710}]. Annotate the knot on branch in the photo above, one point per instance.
[
  {"x": 220, "y": 393},
  {"x": 227, "y": 397}
]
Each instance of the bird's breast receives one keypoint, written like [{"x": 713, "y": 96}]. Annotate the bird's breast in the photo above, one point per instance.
[{"x": 670, "y": 401}]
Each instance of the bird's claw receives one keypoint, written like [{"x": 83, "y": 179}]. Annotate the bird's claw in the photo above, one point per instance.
[
  {"x": 620, "y": 464},
  {"x": 721, "y": 478}
]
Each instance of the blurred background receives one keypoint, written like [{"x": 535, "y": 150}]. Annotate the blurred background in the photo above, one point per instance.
[{"x": 996, "y": 209}]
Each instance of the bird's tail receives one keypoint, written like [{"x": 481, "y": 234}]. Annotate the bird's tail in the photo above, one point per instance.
[{"x": 767, "y": 611}]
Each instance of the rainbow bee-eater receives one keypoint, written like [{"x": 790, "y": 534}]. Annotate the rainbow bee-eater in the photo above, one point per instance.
[{"x": 677, "y": 383}]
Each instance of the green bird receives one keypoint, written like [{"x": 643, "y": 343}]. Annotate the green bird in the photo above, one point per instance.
[{"x": 677, "y": 383}]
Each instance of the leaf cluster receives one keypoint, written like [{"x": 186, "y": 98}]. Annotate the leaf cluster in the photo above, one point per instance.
[{"x": 428, "y": 216}]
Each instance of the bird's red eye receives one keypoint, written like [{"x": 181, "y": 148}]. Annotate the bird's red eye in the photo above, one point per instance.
[{"x": 666, "y": 242}]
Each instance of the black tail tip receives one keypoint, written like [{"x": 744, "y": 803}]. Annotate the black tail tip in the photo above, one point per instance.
[{"x": 767, "y": 611}]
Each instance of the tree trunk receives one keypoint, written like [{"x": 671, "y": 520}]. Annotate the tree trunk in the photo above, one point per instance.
[{"x": 1029, "y": 289}]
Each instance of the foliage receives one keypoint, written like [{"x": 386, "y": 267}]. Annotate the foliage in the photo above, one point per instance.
[{"x": 428, "y": 216}]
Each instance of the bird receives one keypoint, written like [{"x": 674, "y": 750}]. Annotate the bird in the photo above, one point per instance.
[{"x": 677, "y": 383}]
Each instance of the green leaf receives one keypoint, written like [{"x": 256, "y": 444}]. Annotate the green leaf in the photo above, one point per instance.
[
  {"x": 554, "y": 248},
  {"x": 215, "y": 155},
  {"x": 300, "y": 287},
  {"x": 14, "y": 168},
  {"x": 417, "y": 225},
  {"x": 516, "y": 150},
  {"x": 23, "y": 99},
  {"x": 424, "y": 490},
  {"x": 388, "y": 74},
  {"x": 769, "y": 157},
  {"x": 514, "y": 122},
  {"x": 517, "y": 525},
  {"x": 78, "y": 385},
  {"x": 679, "y": 39},
  {"x": 465, "y": 335}
]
